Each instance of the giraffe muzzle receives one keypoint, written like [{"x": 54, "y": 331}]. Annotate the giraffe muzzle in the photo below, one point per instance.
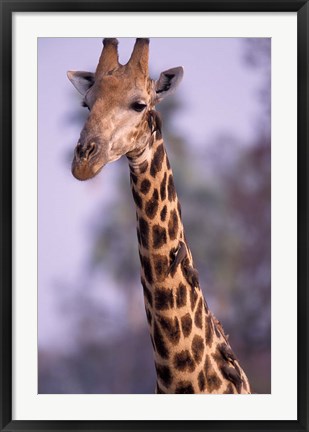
[{"x": 86, "y": 163}]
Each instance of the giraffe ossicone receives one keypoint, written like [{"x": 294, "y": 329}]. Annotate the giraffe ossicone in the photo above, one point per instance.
[{"x": 191, "y": 351}]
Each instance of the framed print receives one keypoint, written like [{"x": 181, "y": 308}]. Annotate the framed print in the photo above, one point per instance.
[{"x": 153, "y": 215}]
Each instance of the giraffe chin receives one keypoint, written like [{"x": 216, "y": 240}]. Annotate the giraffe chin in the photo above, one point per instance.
[{"x": 85, "y": 171}]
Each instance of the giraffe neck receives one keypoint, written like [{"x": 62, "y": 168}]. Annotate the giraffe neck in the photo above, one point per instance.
[{"x": 191, "y": 351}]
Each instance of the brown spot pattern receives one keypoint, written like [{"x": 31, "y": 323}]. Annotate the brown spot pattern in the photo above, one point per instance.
[
  {"x": 152, "y": 205},
  {"x": 159, "y": 236},
  {"x": 171, "y": 188},
  {"x": 171, "y": 328},
  {"x": 213, "y": 382},
  {"x": 145, "y": 186},
  {"x": 138, "y": 236},
  {"x": 183, "y": 361},
  {"x": 144, "y": 232},
  {"x": 208, "y": 330},
  {"x": 160, "y": 263},
  {"x": 197, "y": 348},
  {"x": 156, "y": 163},
  {"x": 163, "y": 188},
  {"x": 164, "y": 373},
  {"x": 184, "y": 387},
  {"x": 193, "y": 298},
  {"x": 163, "y": 213},
  {"x": 199, "y": 314},
  {"x": 159, "y": 342},
  {"x": 181, "y": 295},
  {"x": 186, "y": 324},
  {"x": 164, "y": 298},
  {"x": 143, "y": 167},
  {"x": 173, "y": 225},
  {"x": 201, "y": 381}
]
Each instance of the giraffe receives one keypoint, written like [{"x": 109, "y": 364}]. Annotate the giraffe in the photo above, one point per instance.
[{"x": 191, "y": 351}]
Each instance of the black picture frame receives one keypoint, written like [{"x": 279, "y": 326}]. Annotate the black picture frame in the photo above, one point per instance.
[{"x": 7, "y": 9}]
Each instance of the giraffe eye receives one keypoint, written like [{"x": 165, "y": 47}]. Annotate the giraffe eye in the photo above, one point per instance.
[{"x": 137, "y": 106}]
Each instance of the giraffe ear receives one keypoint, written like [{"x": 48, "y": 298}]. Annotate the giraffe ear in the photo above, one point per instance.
[
  {"x": 168, "y": 82},
  {"x": 82, "y": 81}
]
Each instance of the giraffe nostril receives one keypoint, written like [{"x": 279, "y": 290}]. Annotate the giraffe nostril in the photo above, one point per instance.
[
  {"x": 90, "y": 150},
  {"x": 85, "y": 151},
  {"x": 79, "y": 150}
]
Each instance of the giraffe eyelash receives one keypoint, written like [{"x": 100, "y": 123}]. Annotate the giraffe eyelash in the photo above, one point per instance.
[{"x": 138, "y": 106}]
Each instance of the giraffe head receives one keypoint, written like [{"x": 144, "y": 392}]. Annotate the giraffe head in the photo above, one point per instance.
[{"x": 121, "y": 100}]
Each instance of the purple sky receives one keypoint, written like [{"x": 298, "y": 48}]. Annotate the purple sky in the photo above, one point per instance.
[{"x": 218, "y": 94}]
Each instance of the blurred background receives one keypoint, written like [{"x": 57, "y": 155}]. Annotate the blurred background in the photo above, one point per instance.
[{"x": 92, "y": 335}]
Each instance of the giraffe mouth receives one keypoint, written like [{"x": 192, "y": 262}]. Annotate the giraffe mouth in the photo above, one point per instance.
[{"x": 83, "y": 170}]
